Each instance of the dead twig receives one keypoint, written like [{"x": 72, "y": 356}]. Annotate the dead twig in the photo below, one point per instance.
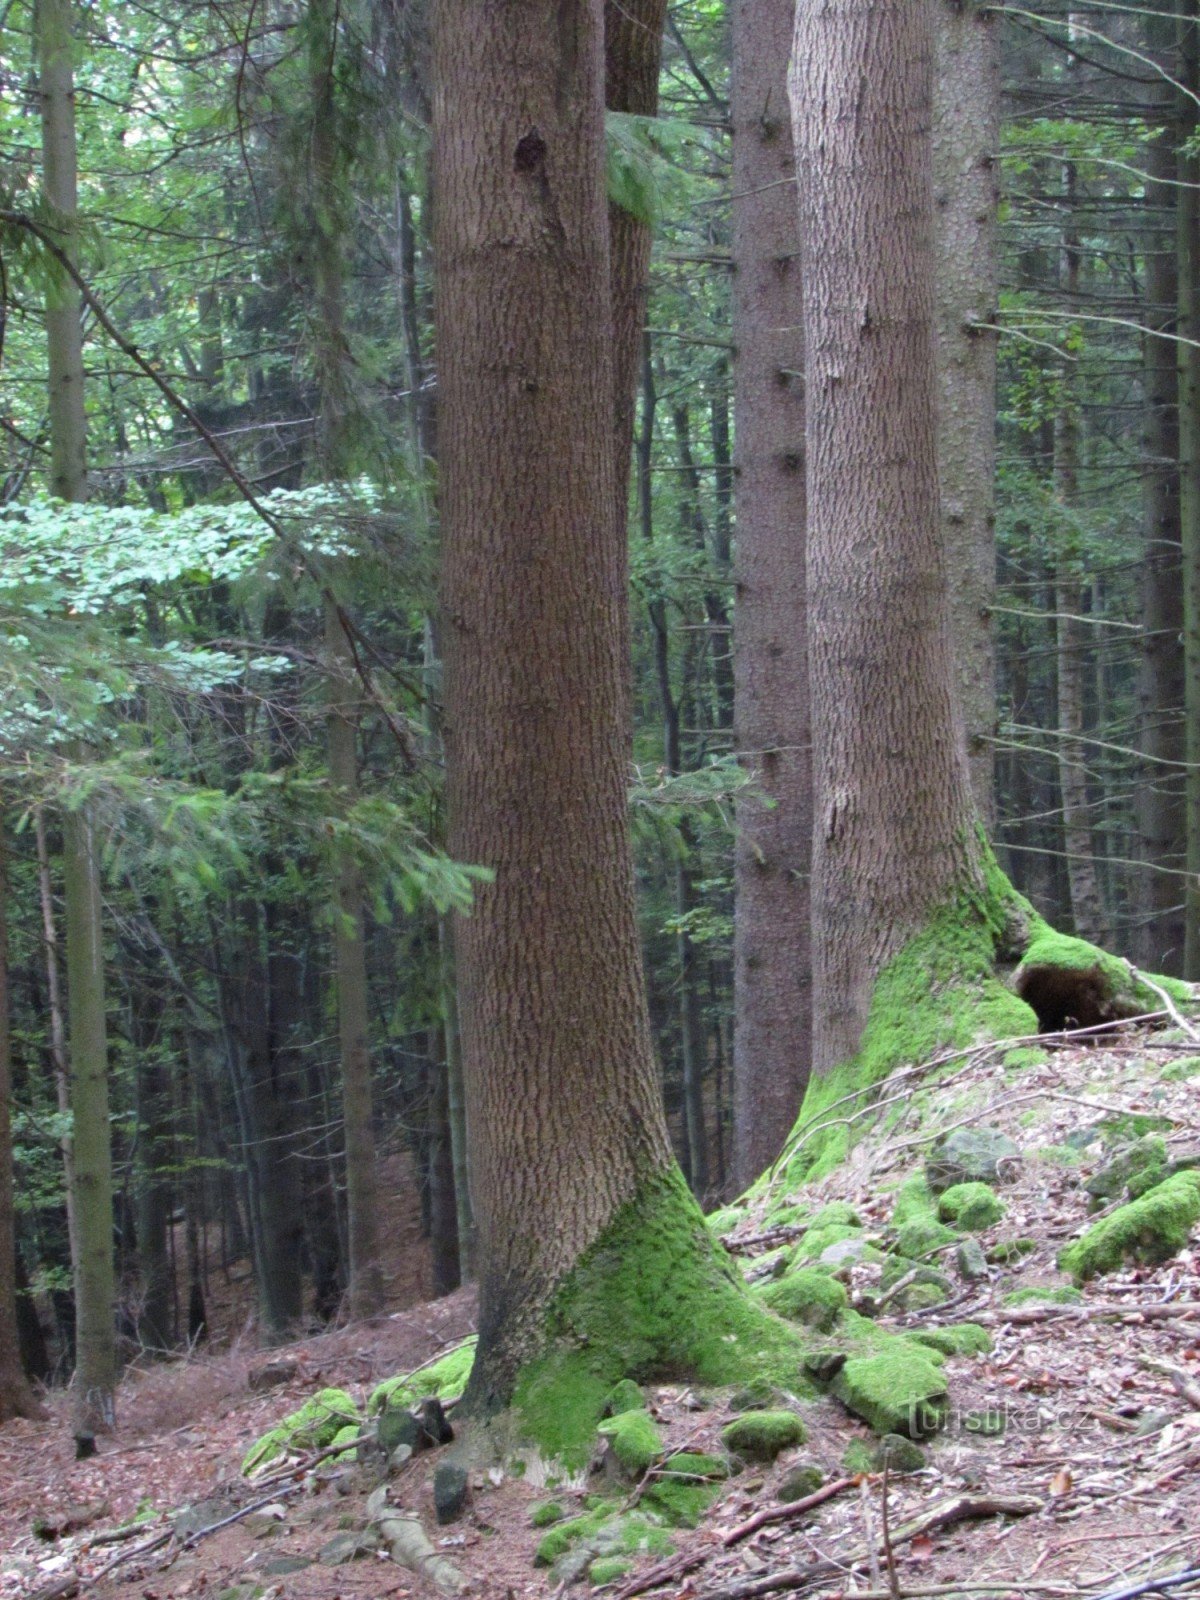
[
  {"x": 889, "y": 1553},
  {"x": 1154, "y": 1585},
  {"x": 1172, "y": 1009},
  {"x": 787, "y": 1512}
]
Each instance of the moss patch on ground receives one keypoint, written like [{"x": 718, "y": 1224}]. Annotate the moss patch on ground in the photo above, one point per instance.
[
  {"x": 1149, "y": 1230},
  {"x": 960, "y": 1339},
  {"x": 806, "y": 1296},
  {"x": 1049, "y": 1295},
  {"x": 973, "y": 1206},
  {"x": 655, "y": 1298}
]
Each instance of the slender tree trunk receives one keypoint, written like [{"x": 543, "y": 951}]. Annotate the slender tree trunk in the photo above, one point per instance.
[
  {"x": 966, "y": 143},
  {"x": 456, "y": 1102},
  {"x": 1159, "y": 799},
  {"x": 1072, "y": 631},
  {"x": 563, "y": 1106},
  {"x": 96, "y": 1371},
  {"x": 1188, "y": 350},
  {"x": 895, "y": 836},
  {"x": 58, "y": 1031},
  {"x": 772, "y": 1040},
  {"x": 16, "y": 1397}
]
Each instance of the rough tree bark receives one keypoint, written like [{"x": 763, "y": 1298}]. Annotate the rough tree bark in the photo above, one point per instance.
[
  {"x": 1188, "y": 356},
  {"x": 771, "y": 948},
  {"x": 593, "y": 1255},
  {"x": 966, "y": 143}
]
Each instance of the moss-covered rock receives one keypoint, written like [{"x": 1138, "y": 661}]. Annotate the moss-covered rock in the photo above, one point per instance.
[
  {"x": 1046, "y": 1294},
  {"x": 314, "y": 1426},
  {"x": 914, "y": 1201},
  {"x": 625, "y": 1396},
  {"x": 1149, "y": 1230},
  {"x": 1005, "y": 1252},
  {"x": 899, "y": 1454},
  {"x": 1134, "y": 1169},
  {"x": 547, "y": 1514},
  {"x": 798, "y": 1483},
  {"x": 858, "y": 1457},
  {"x": 608, "y": 1569},
  {"x": 924, "y": 1236},
  {"x": 968, "y": 1155},
  {"x": 762, "y": 1435},
  {"x": 1181, "y": 1071},
  {"x": 635, "y": 1441},
  {"x": 602, "y": 1532},
  {"x": 806, "y": 1296},
  {"x": 898, "y": 1390},
  {"x": 680, "y": 1504},
  {"x": 694, "y": 1464},
  {"x": 817, "y": 1239},
  {"x": 973, "y": 1206},
  {"x": 444, "y": 1379},
  {"x": 959, "y": 1339},
  {"x": 757, "y": 1395}
]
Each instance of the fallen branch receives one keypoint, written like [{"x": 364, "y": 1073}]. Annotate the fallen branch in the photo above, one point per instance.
[
  {"x": 787, "y": 1512},
  {"x": 1153, "y": 1585},
  {"x": 664, "y": 1572},
  {"x": 961, "y": 1508},
  {"x": 1172, "y": 1009},
  {"x": 1156, "y": 1311}
]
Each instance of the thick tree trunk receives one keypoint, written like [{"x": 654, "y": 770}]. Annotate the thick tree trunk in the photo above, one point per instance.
[
  {"x": 966, "y": 143},
  {"x": 577, "y": 1199},
  {"x": 1188, "y": 352},
  {"x": 16, "y": 1397},
  {"x": 772, "y": 961},
  {"x": 895, "y": 836}
]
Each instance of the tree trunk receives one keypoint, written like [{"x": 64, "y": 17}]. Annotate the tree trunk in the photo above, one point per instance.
[
  {"x": 570, "y": 1160},
  {"x": 1188, "y": 352},
  {"x": 966, "y": 144},
  {"x": 16, "y": 1397},
  {"x": 1158, "y": 799},
  {"x": 772, "y": 1039}
]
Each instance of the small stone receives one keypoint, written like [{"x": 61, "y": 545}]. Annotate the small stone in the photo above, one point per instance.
[
  {"x": 282, "y": 1370},
  {"x": 397, "y": 1427},
  {"x": 450, "y": 1488},
  {"x": 346, "y": 1547},
  {"x": 899, "y": 1454},
  {"x": 969, "y": 1155},
  {"x": 799, "y": 1483},
  {"x": 282, "y": 1566},
  {"x": 971, "y": 1261},
  {"x": 757, "y": 1395}
]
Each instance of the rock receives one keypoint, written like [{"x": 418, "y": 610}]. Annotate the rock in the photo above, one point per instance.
[
  {"x": 799, "y": 1483},
  {"x": 1149, "y": 1230},
  {"x": 397, "y": 1427},
  {"x": 435, "y": 1425},
  {"x": 547, "y": 1514},
  {"x": 960, "y": 1339},
  {"x": 450, "y": 1488},
  {"x": 1007, "y": 1251},
  {"x": 626, "y": 1396},
  {"x": 634, "y": 1441},
  {"x": 899, "y": 1390},
  {"x": 1136, "y": 1168},
  {"x": 762, "y": 1435},
  {"x": 758, "y": 1395},
  {"x": 608, "y": 1569},
  {"x": 284, "y": 1566},
  {"x": 806, "y": 1296},
  {"x": 973, "y": 1206},
  {"x": 281, "y": 1370},
  {"x": 969, "y": 1155},
  {"x": 924, "y": 1236},
  {"x": 350, "y": 1546},
  {"x": 971, "y": 1261},
  {"x": 824, "y": 1365},
  {"x": 846, "y": 1252},
  {"x": 858, "y": 1457},
  {"x": 572, "y": 1565},
  {"x": 899, "y": 1454}
]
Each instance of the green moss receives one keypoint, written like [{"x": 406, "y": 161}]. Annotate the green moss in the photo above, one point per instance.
[
  {"x": 625, "y": 1396},
  {"x": 939, "y": 993},
  {"x": 899, "y": 1454},
  {"x": 693, "y": 1464},
  {"x": 900, "y": 1390},
  {"x": 446, "y": 1379},
  {"x": 858, "y": 1457},
  {"x": 1050, "y": 1294},
  {"x": 608, "y": 1569},
  {"x": 1150, "y": 1230},
  {"x": 806, "y": 1296},
  {"x": 1005, "y": 1251},
  {"x": 973, "y": 1206},
  {"x": 348, "y": 1438},
  {"x": 817, "y": 1239},
  {"x": 799, "y": 1482},
  {"x": 924, "y": 1237},
  {"x": 565, "y": 1534},
  {"x": 547, "y": 1514},
  {"x": 635, "y": 1440},
  {"x": 914, "y": 1202},
  {"x": 761, "y": 1435},
  {"x": 725, "y": 1220},
  {"x": 314, "y": 1426},
  {"x": 680, "y": 1505},
  {"x": 1048, "y": 951},
  {"x": 1182, "y": 1070},
  {"x": 960, "y": 1339},
  {"x": 655, "y": 1298}
]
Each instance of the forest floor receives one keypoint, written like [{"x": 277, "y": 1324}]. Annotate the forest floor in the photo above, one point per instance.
[{"x": 1101, "y": 1399}]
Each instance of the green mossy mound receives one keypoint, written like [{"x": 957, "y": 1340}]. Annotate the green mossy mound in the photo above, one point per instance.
[
  {"x": 914, "y": 1202},
  {"x": 973, "y": 1206},
  {"x": 1149, "y": 1230},
  {"x": 1050, "y": 1294},
  {"x": 655, "y": 1298},
  {"x": 679, "y": 1504},
  {"x": 444, "y": 1379},
  {"x": 635, "y": 1440},
  {"x": 692, "y": 1464},
  {"x": 960, "y": 1339},
  {"x": 626, "y": 1396},
  {"x": 819, "y": 1237},
  {"x": 315, "y": 1426},
  {"x": 606, "y": 1535},
  {"x": 806, "y": 1296},
  {"x": 762, "y": 1435},
  {"x": 547, "y": 1514},
  {"x": 1132, "y": 1170},
  {"x": 608, "y": 1569},
  {"x": 799, "y": 1483},
  {"x": 1071, "y": 984},
  {"x": 900, "y": 1390},
  {"x": 1007, "y": 1251},
  {"x": 924, "y": 1236},
  {"x": 858, "y": 1457}
]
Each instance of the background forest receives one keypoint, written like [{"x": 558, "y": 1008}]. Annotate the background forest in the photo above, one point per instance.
[{"x": 228, "y": 940}]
